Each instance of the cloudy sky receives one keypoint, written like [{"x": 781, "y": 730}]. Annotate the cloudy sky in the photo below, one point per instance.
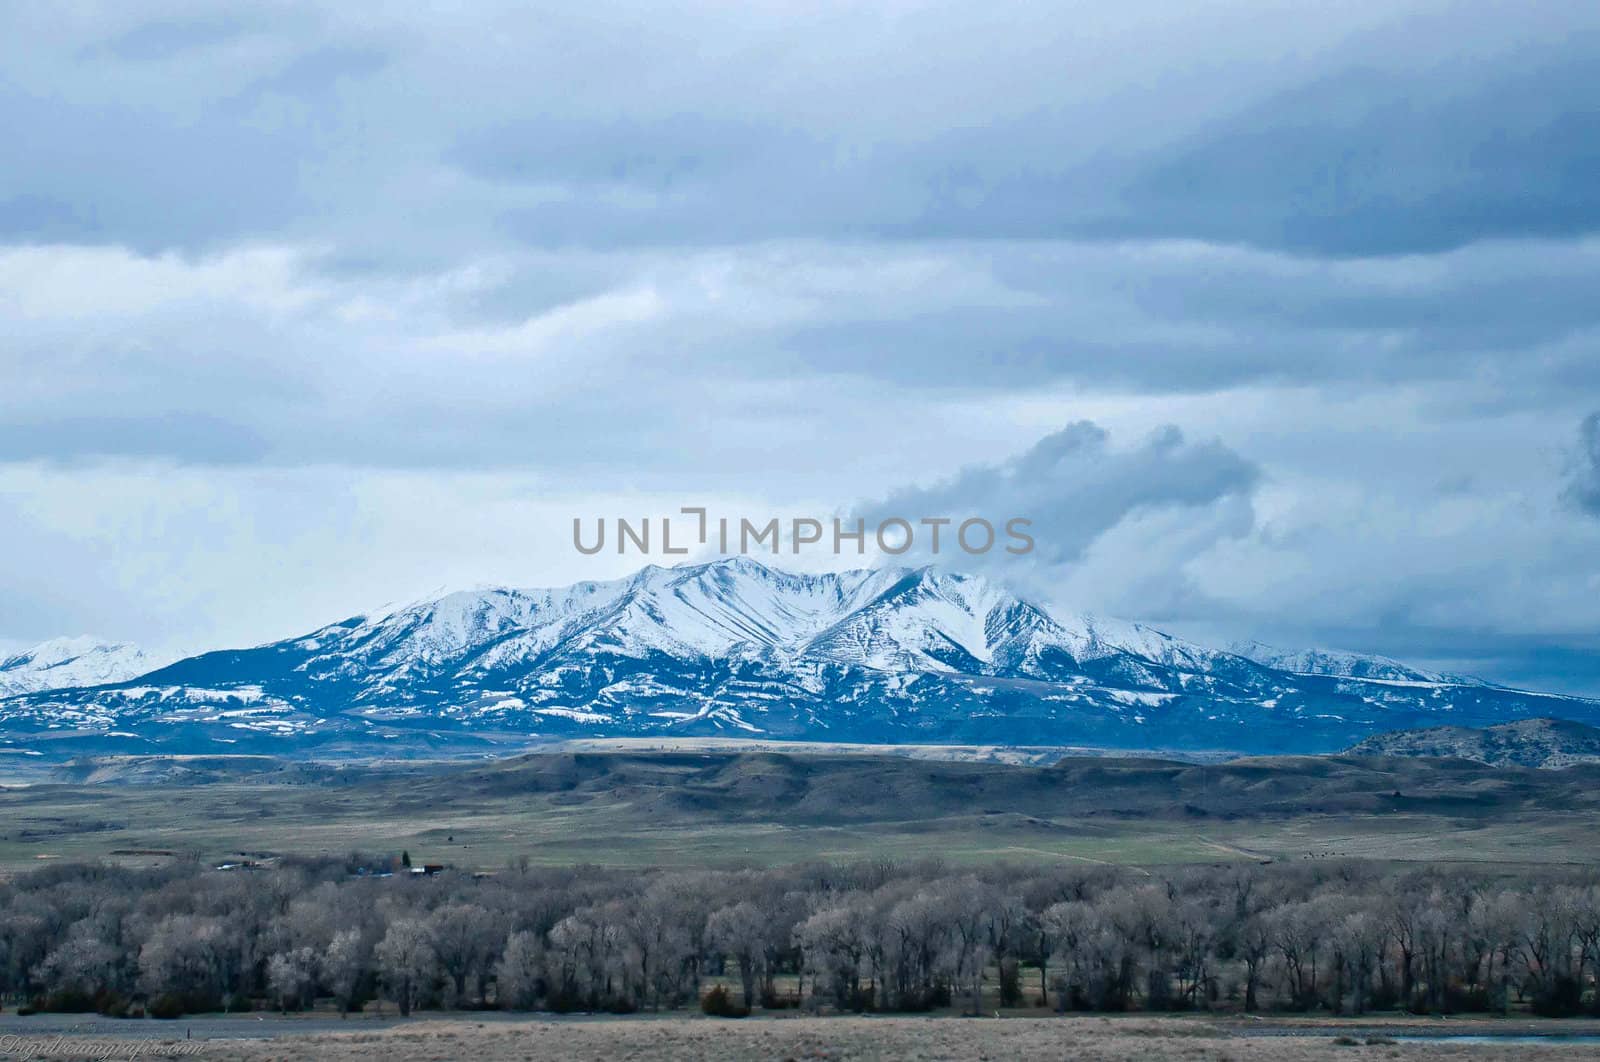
[{"x": 1280, "y": 320}]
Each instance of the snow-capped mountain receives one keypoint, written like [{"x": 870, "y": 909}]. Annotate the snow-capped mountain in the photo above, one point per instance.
[
  {"x": 63, "y": 662},
  {"x": 1341, "y": 664},
  {"x": 734, "y": 648}
]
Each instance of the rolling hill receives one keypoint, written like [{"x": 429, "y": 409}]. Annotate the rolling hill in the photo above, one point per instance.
[{"x": 1551, "y": 743}]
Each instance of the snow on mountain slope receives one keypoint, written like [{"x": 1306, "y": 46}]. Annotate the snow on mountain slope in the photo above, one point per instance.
[
  {"x": 1341, "y": 664},
  {"x": 888, "y": 655},
  {"x": 63, "y": 662}
]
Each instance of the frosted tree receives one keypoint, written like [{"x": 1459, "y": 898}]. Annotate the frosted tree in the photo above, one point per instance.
[
  {"x": 519, "y": 975},
  {"x": 407, "y": 963},
  {"x": 291, "y": 976}
]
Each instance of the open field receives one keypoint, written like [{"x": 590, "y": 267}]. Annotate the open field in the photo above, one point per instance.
[
  {"x": 835, "y": 1038},
  {"x": 722, "y": 809}
]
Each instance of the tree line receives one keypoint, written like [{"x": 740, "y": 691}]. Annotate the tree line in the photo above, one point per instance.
[{"x": 1343, "y": 938}]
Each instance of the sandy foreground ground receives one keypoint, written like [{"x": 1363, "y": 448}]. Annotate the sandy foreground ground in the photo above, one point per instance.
[{"x": 842, "y": 1038}]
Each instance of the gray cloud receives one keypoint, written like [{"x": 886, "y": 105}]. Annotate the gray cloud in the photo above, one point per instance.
[
  {"x": 314, "y": 74},
  {"x": 1355, "y": 130},
  {"x": 164, "y": 39},
  {"x": 253, "y": 265},
  {"x": 1583, "y": 490},
  {"x": 288, "y": 357},
  {"x": 41, "y": 218},
  {"x": 1373, "y": 161},
  {"x": 1074, "y": 487},
  {"x": 69, "y": 438}
]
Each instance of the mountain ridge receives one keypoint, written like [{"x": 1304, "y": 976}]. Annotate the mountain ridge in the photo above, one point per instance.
[{"x": 735, "y": 648}]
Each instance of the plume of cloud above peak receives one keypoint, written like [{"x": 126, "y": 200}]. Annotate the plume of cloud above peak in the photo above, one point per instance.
[
  {"x": 1073, "y": 487},
  {"x": 1584, "y": 488}
]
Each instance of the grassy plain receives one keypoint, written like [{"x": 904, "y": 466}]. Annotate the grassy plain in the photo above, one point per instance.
[
  {"x": 721, "y": 809},
  {"x": 1089, "y": 1039}
]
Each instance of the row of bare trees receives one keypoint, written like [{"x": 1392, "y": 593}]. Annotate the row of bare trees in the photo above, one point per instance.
[{"x": 1340, "y": 937}]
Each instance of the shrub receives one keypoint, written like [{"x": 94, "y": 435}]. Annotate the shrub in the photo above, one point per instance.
[
  {"x": 1463, "y": 1001},
  {"x": 110, "y": 1004},
  {"x": 1563, "y": 998},
  {"x": 719, "y": 1004},
  {"x": 176, "y": 1004},
  {"x": 772, "y": 1000},
  {"x": 167, "y": 1006},
  {"x": 1384, "y": 997},
  {"x": 619, "y": 1005},
  {"x": 64, "y": 1001},
  {"x": 920, "y": 1002},
  {"x": 562, "y": 1001},
  {"x": 862, "y": 999}
]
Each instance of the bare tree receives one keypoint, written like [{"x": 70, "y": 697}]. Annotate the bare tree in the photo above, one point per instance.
[
  {"x": 1347, "y": 936},
  {"x": 519, "y": 975},
  {"x": 290, "y": 977},
  {"x": 465, "y": 939},
  {"x": 407, "y": 963},
  {"x": 342, "y": 966},
  {"x": 831, "y": 941},
  {"x": 740, "y": 931},
  {"x": 185, "y": 957},
  {"x": 83, "y": 965}
]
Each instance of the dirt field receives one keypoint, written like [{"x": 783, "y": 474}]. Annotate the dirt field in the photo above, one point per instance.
[{"x": 843, "y": 1038}]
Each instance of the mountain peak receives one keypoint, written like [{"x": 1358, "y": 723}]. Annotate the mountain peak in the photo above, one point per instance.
[
  {"x": 741, "y": 562},
  {"x": 71, "y": 661},
  {"x": 59, "y": 650}
]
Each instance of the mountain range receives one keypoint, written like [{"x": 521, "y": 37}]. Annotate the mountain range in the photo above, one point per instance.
[{"x": 735, "y": 648}]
